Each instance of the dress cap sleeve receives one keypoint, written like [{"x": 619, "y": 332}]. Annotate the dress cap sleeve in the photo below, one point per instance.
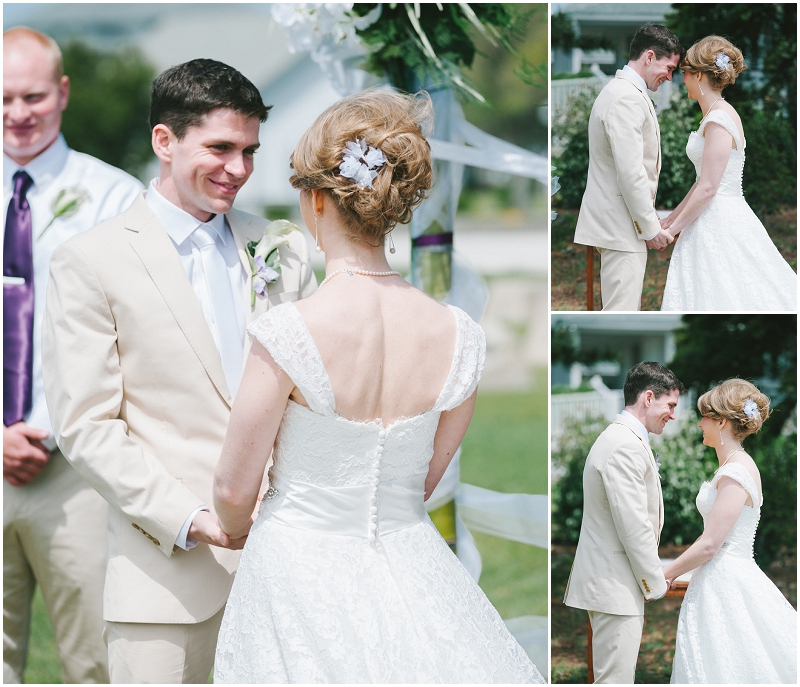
[
  {"x": 283, "y": 333},
  {"x": 739, "y": 473},
  {"x": 468, "y": 362}
]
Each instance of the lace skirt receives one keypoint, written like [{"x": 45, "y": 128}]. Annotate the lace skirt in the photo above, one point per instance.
[
  {"x": 726, "y": 262},
  {"x": 308, "y": 607},
  {"x": 735, "y": 627}
]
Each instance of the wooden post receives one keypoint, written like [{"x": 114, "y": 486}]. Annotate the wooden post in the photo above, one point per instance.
[
  {"x": 590, "y": 662},
  {"x": 590, "y": 278}
]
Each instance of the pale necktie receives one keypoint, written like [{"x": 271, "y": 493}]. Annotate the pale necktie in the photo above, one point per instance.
[{"x": 223, "y": 305}]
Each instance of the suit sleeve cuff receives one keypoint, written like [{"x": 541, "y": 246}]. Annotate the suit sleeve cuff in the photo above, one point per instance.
[{"x": 183, "y": 541}]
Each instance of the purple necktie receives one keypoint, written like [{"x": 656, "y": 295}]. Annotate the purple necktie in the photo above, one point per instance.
[{"x": 18, "y": 305}]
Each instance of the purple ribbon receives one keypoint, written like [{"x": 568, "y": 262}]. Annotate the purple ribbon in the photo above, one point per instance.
[
  {"x": 18, "y": 305},
  {"x": 445, "y": 239}
]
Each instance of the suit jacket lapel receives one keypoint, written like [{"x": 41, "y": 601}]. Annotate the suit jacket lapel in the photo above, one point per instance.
[
  {"x": 156, "y": 251},
  {"x": 622, "y": 75},
  {"x": 243, "y": 232}
]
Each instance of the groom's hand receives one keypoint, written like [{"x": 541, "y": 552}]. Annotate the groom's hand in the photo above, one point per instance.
[
  {"x": 660, "y": 241},
  {"x": 205, "y": 528},
  {"x": 24, "y": 455}
]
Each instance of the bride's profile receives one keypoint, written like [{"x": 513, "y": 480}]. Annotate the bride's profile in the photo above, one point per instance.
[
  {"x": 725, "y": 259},
  {"x": 362, "y": 393},
  {"x": 735, "y": 626}
]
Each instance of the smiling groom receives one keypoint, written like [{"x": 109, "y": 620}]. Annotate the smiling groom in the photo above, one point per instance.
[
  {"x": 144, "y": 346},
  {"x": 617, "y": 213},
  {"x": 616, "y": 566}
]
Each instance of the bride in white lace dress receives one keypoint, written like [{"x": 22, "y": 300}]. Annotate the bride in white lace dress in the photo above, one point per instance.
[
  {"x": 724, "y": 260},
  {"x": 365, "y": 390},
  {"x": 735, "y": 626}
]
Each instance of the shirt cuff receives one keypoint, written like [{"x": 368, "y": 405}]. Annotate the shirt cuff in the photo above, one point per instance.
[{"x": 182, "y": 541}]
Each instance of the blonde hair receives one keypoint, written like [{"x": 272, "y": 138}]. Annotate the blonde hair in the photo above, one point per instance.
[
  {"x": 394, "y": 123},
  {"x": 702, "y": 57},
  {"x": 727, "y": 400},
  {"x": 20, "y": 34}
]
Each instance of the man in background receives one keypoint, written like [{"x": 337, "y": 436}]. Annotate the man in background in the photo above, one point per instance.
[{"x": 53, "y": 521}]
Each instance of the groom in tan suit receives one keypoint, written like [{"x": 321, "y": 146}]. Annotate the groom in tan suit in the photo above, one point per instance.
[
  {"x": 616, "y": 566},
  {"x": 144, "y": 345},
  {"x": 618, "y": 209}
]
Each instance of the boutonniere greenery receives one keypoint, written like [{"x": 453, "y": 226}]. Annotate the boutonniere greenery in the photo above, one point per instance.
[
  {"x": 67, "y": 202},
  {"x": 265, "y": 260}
]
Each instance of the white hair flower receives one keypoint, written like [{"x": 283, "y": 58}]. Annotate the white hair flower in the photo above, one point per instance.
[
  {"x": 722, "y": 61},
  {"x": 360, "y": 162},
  {"x": 750, "y": 408}
]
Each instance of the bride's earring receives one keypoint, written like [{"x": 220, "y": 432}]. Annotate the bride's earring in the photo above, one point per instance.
[
  {"x": 392, "y": 249},
  {"x": 721, "y": 440},
  {"x": 316, "y": 235},
  {"x": 700, "y": 86}
]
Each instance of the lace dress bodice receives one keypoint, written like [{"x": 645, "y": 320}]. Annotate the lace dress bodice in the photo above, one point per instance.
[
  {"x": 731, "y": 184},
  {"x": 740, "y": 539}
]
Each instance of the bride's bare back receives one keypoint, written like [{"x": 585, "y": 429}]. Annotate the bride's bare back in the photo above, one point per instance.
[{"x": 386, "y": 346}]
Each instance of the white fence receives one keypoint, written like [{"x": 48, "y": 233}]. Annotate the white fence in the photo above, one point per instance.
[
  {"x": 562, "y": 89},
  {"x": 608, "y": 403}
]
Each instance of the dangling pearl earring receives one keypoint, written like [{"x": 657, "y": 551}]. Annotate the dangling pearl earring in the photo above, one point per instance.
[
  {"x": 721, "y": 440},
  {"x": 392, "y": 249},
  {"x": 316, "y": 235},
  {"x": 700, "y": 86}
]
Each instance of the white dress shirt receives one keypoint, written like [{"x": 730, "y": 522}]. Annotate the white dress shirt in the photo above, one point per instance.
[
  {"x": 636, "y": 77},
  {"x": 179, "y": 226},
  {"x": 641, "y": 430},
  {"x": 111, "y": 191}
]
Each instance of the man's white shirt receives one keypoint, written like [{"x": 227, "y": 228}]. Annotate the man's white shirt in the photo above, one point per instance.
[
  {"x": 640, "y": 429},
  {"x": 636, "y": 77},
  {"x": 110, "y": 191},
  {"x": 180, "y": 225}
]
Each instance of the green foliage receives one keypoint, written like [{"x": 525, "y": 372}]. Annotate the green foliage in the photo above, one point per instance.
[
  {"x": 564, "y": 350},
  {"x": 770, "y": 174},
  {"x": 109, "y": 105},
  {"x": 685, "y": 465},
  {"x": 571, "y": 128},
  {"x": 712, "y": 348},
  {"x": 398, "y": 52},
  {"x": 777, "y": 531},
  {"x": 766, "y": 34},
  {"x": 567, "y": 492},
  {"x": 677, "y": 171}
]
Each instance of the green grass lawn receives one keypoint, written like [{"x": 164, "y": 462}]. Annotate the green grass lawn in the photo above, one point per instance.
[{"x": 505, "y": 450}]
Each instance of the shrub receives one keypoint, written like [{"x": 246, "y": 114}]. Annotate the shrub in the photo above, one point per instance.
[
  {"x": 677, "y": 171},
  {"x": 777, "y": 531},
  {"x": 571, "y": 127}
]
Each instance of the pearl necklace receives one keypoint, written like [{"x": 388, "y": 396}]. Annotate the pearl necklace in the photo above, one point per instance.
[
  {"x": 725, "y": 462},
  {"x": 351, "y": 271}
]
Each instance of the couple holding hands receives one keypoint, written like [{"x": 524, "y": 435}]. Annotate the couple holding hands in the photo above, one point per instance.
[
  {"x": 725, "y": 261},
  {"x": 350, "y": 401},
  {"x": 735, "y": 626}
]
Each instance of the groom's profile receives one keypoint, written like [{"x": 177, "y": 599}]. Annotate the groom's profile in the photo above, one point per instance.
[
  {"x": 616, "y": 566},
  {"x": 617, "y": 214},
  {"x": 143, "y": 349}
]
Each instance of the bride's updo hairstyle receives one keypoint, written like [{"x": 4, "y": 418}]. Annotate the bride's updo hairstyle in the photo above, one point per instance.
[
  {"x": 393, "y": 123},
  {"x": 740, "y": 402},
  {"x": 709, "y": 55}
]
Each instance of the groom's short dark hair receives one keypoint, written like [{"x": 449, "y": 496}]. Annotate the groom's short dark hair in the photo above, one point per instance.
[
  {"x": 650, "y": 375},
  {"x": 657, "y": 38},
  {"x": 182, "y": 95}
]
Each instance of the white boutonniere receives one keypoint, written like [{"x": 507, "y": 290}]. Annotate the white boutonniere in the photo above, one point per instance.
[
  {"x": 265, "y": 260},
  {"x": 658, "y": 461},
  {"x": 67, "y": 203}
]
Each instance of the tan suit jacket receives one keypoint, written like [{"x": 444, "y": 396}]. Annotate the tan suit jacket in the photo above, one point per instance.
[
  {"x": 616, "y": 565},
  {"x": 618, "y": 207},
  {"x": 140, "y": 405}
]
